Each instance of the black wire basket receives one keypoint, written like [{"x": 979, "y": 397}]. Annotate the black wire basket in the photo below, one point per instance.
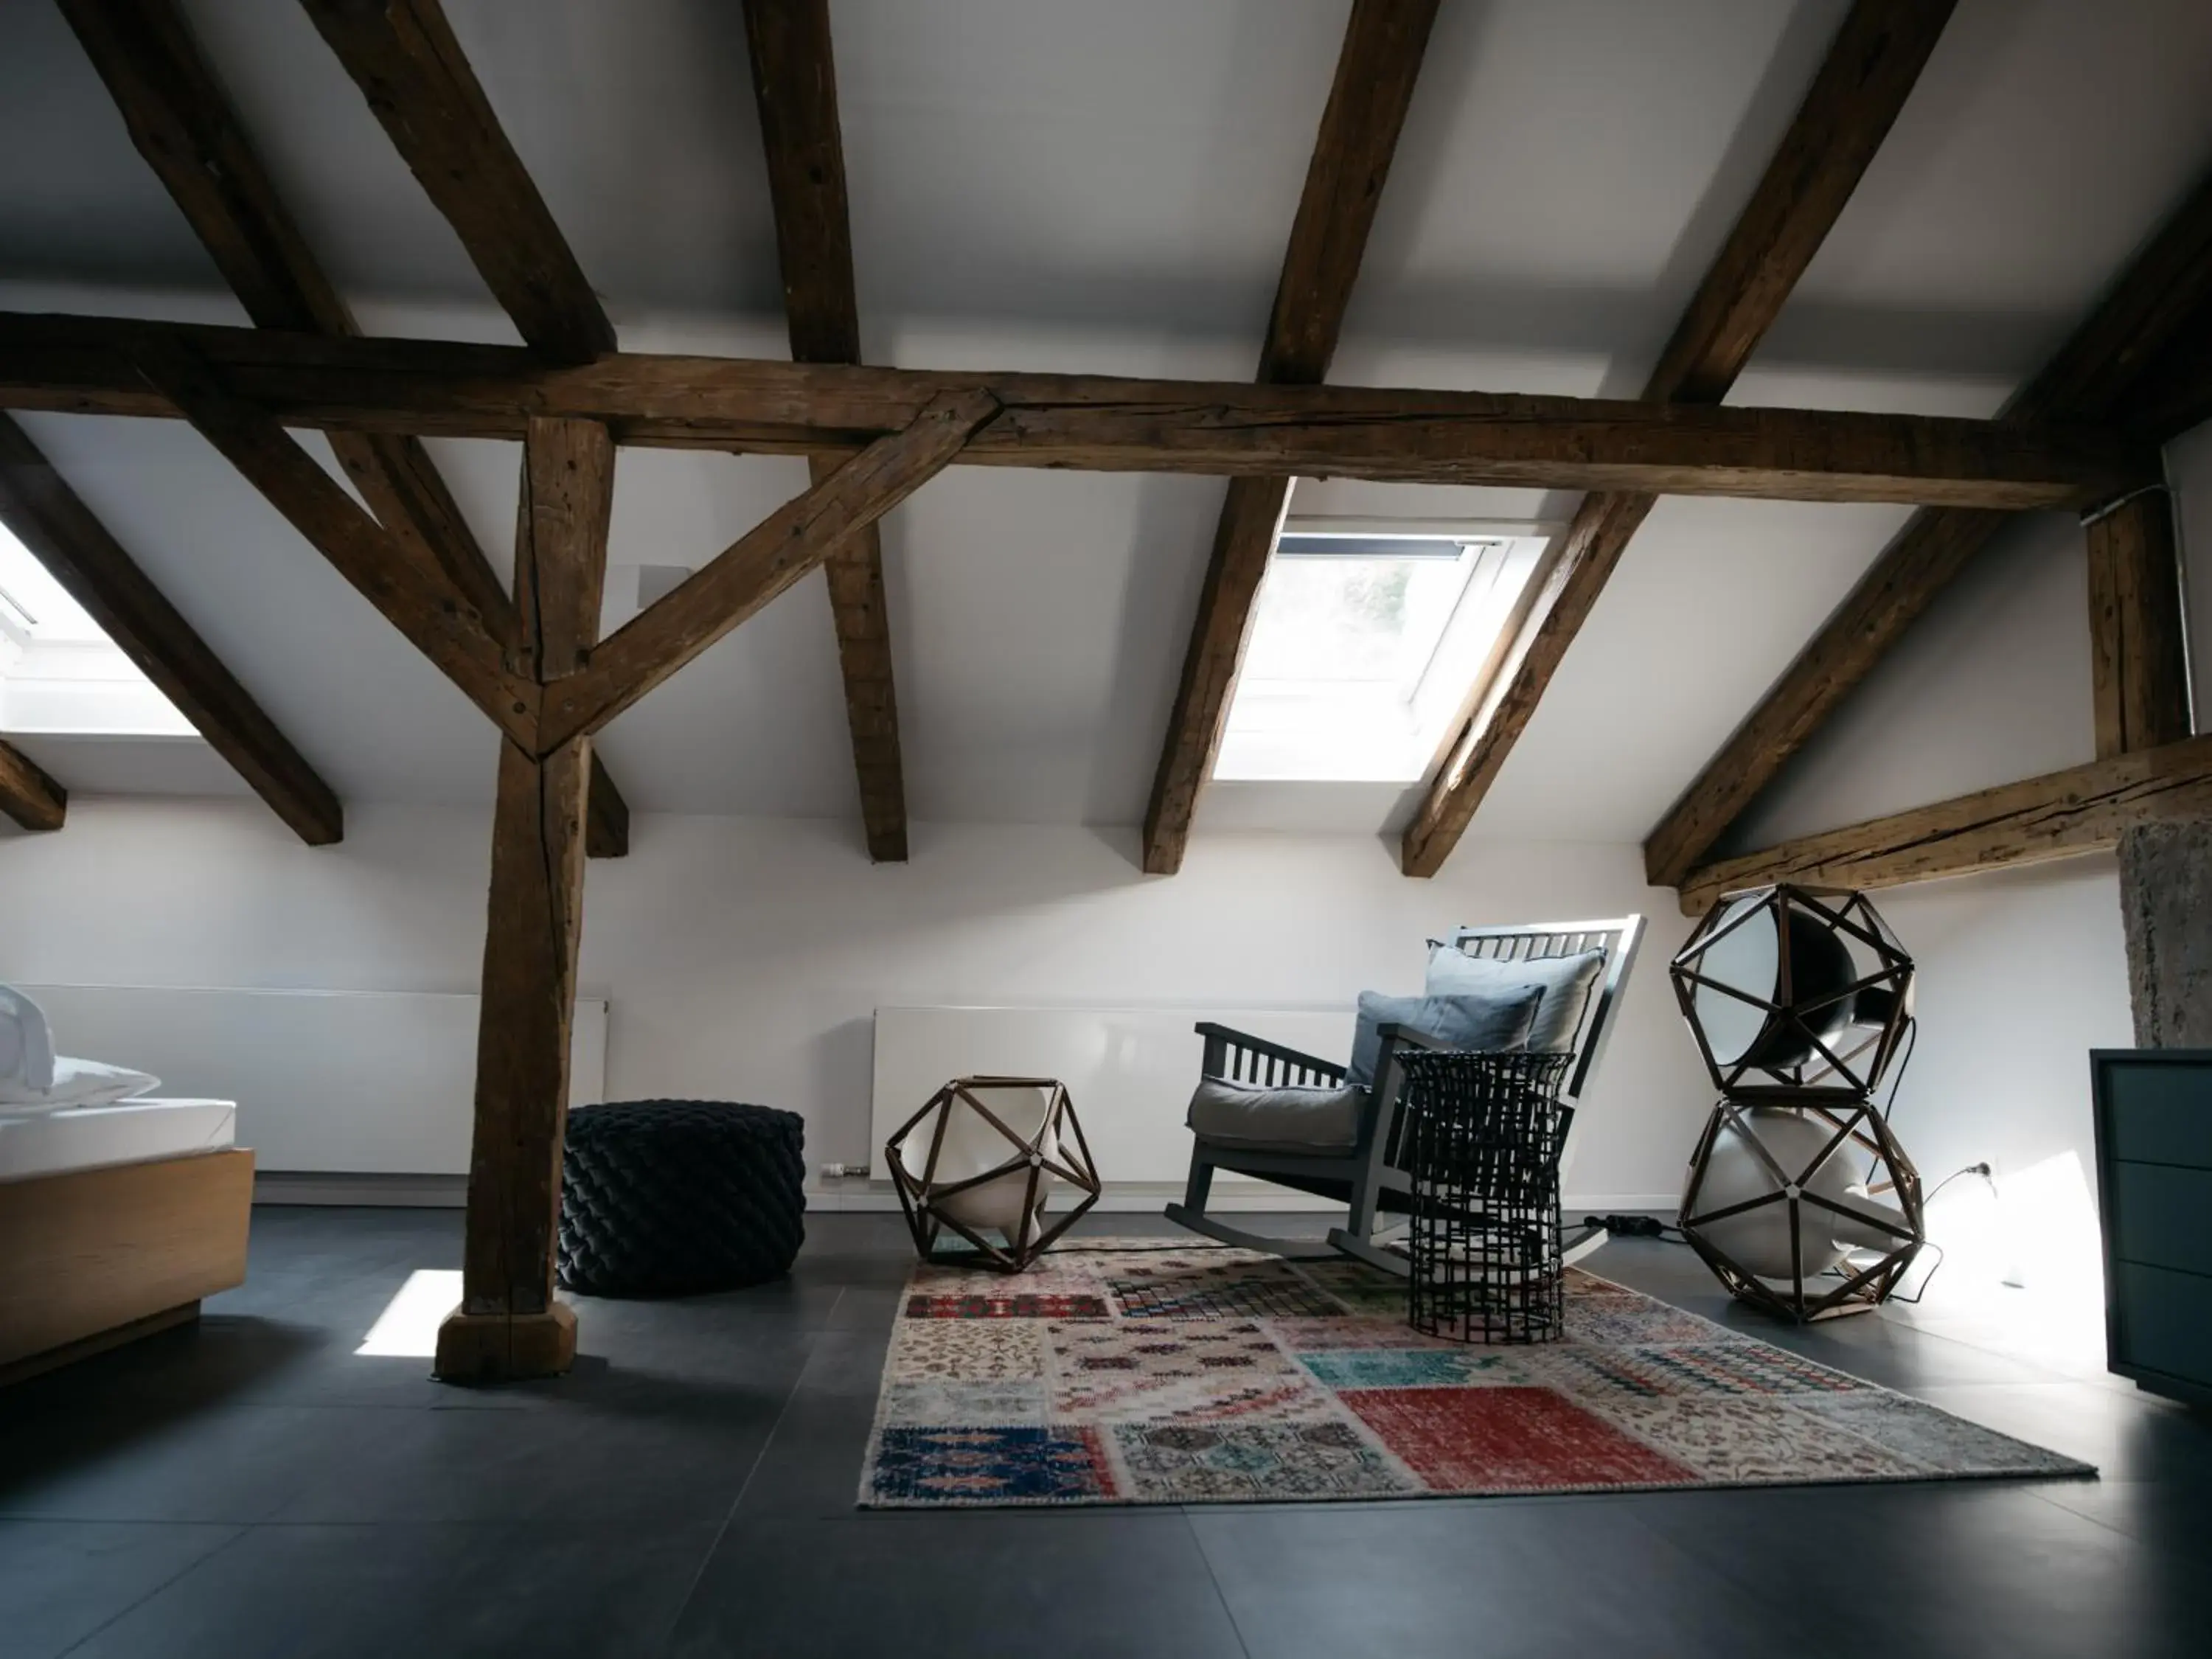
[{"x": 1482, "y": 1141}]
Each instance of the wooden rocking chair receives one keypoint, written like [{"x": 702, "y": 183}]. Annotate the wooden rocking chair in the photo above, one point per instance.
[{"x": 1357, "y": 1164}]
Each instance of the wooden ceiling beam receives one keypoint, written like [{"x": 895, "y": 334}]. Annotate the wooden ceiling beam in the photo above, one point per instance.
[
  {"x": 1375, "y": 69},
  {"x": 451, "y": 635},
  {"x": 2109, "y": 370},
  {"x": 1090, "y": 422},
  {"x": 47, "y": 517},
  {"x": 761, "y": 564},
  {"x": 182, "y": 121},
  {"x": 1871, "y": 68},
  {"x": 402, "y": 55},
  {"x": 2083, "y": 809},
  {"x": 795, "y": 87},
  {"x": 31, "y": 799}
]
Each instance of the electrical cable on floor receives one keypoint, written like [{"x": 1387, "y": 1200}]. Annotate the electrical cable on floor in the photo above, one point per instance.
[
  {"x": 1633, "y": 1226},
  {"x": 1981, "y": 1169},
  {"x": 1136, "y": 1249}
]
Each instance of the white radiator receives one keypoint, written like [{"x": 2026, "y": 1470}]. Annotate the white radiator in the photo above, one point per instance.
[
  {"x": 1129, "y": 1071},
  {"x": 338, "y": 1082}
]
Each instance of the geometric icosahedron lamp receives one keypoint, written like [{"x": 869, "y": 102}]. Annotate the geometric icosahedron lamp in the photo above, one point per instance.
[
  {"x": 979, "y": 1159},
  {"x": 1801, "y": 1001},
  {"x": 1793, "y": 990}
]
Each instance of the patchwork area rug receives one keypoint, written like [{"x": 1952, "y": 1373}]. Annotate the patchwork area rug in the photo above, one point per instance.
[{"x": 1169, "y": 1374}]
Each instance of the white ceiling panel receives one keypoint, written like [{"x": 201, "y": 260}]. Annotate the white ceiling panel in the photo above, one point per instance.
[
  {"x": 1038, "y": 622},
  {"x": 1706, "y": 610}
]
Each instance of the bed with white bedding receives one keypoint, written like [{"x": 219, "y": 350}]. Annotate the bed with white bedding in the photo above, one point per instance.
[
  {"x": 140, "y": 1131},
  {"x": 115, "y": 1220},
  {"x": 118, "y": 1211}
]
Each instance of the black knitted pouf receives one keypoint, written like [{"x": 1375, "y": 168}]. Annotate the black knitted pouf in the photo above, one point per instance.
[{"x": 666, "y": 1197}]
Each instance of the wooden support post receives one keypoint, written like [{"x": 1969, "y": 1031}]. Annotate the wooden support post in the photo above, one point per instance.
[
  {"x": 508, "y": 1325},
  {"x": 2138, "y": 649}
]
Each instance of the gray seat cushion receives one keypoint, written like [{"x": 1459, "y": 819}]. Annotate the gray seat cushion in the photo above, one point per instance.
[
  {"x": 1565, "y": 982},
  {"x": 1482, "y": 1021},
  {"x": 1280, "y": 1120}
]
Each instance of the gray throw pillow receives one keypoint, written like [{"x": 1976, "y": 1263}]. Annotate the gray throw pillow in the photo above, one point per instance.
[
  {"x": 1564, "y": 982},
  {"x": 1480, "y": 1023}
]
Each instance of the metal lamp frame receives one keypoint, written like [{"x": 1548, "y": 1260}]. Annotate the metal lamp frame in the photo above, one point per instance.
[
  {"x": 1835, "y": 1082},
  {"x": 920, "y": 1198},
  {"x": 1850, "y": 1070},
  {"x": 1856, "y": 1123}
]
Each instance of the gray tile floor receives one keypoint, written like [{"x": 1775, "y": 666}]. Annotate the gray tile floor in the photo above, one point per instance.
[{"x": 254, "y": 1487}]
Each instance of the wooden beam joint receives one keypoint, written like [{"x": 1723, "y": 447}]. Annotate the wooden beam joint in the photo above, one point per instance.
[
  {"x": 451, "y": 634},
  {"x": 756, "y": 567}
]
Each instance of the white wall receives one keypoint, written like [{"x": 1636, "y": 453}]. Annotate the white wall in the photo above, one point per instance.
[{"x": 743, "y": 957}]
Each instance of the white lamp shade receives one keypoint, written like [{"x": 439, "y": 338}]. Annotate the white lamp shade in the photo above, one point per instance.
[
  {"x": 1749, "y": 956},
  {"x": 970, "y": 1146},
  {"x": 1758, "y": 1241}
]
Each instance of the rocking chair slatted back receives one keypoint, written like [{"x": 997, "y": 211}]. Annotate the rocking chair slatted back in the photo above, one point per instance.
[{"x": 1244, "y": 1059}]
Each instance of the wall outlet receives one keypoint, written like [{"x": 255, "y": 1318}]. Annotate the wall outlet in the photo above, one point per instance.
[{"x": 844, "y": 1172}]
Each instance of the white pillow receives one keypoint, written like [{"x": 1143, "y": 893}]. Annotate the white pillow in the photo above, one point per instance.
[
  {"x": 77, "y": 1083},
  {"x": 27, "y": 1044}
]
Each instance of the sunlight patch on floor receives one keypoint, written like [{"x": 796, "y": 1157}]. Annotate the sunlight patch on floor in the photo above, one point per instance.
[
  {"x": 407, "y": 1327},
  {"x": 2022, "y": 1269}
]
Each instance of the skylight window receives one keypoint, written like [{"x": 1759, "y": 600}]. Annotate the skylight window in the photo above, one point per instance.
[
  {"x": 58, "y": 673},
  {"x": 1363, "y": 649}
]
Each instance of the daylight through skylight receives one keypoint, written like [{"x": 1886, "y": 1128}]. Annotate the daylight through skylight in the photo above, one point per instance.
[
  {"x": 1364, "y": 649},
  {"x": 58, "y": 673}
]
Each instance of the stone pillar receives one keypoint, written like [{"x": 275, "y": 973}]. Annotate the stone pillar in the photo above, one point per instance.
[{"x": 2165, "y": 903}]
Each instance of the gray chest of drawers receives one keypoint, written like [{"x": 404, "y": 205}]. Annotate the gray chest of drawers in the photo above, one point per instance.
[{"x": 2153, "y": 1113}]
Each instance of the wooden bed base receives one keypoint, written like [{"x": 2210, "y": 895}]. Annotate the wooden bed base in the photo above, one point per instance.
[{"x": 98, "y": 1257}]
